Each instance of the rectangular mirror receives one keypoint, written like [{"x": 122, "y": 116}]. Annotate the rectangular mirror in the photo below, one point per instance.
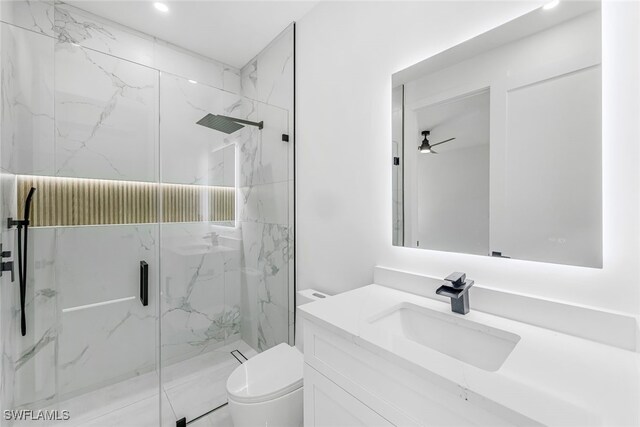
[{"x": 497, "y": 142}]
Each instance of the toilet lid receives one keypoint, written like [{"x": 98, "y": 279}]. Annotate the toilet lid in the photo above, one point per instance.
[{"x": 268, "y": 375}]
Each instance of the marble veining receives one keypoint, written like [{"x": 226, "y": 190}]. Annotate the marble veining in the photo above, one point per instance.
[
  {"x": 75, "y": 27},
  {"x": 182, "y": 104},
  {"x": 199, "y": 311},
  {"x": 214, "y": 286},
  {"x": 27, "y": 101},
  {"x": 268, "y": 78},
  {"x": 34, "y": 15},
  {"x": 105, "y": 116}
]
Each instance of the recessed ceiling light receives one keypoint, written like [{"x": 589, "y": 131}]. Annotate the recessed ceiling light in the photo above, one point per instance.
[
  {"x": 193, "y": 82},
  {"x": 551, "y": 4},
  {"x": 161, "y": 7}
]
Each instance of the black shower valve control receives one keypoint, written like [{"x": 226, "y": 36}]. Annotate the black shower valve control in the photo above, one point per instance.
[{"x": 6, "y": 265}]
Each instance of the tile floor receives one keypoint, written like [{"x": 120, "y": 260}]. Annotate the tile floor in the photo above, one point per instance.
[{"x": 190, "y": 388}]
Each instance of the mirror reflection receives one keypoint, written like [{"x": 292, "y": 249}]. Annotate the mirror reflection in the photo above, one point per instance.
[{"x": 497, "y": 142}]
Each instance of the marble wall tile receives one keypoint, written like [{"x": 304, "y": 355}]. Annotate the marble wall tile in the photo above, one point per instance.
[
  {"x": 266, "y": 196},
  {"x": 34, "y": 15},
  {"x": 269, "y": 76},
  {"x": 101, "y": 263},
  {"x": 231, "y": 79},
  {"x": 197, "y": 314},
  {"x": 222, "y": 166},
  {"x": 106, "y": 116},
  {"x": 34, "y": 355},
  {"x": 185, "y": 146},
  {"x": 266, "y": 203},
  {"x": 76, "y": 27},
  {"x": 104, "y": 344},
  {"x": 273, "y": 325},
  {"x": 263, "y": 155},
  {"x": 232, "y": 293},
  {"x": 267, "y": 252},
  {"x": 27, "y": 101},
  {"x": 189, "y": 65},
  {"x": 101, "y": 344},
  {"x": 250, "y": 279}
]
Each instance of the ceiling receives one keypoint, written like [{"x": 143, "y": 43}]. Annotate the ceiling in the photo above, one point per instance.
[
  {"x": 232, "y": 32},
  {"x": 465, "y": 118}
]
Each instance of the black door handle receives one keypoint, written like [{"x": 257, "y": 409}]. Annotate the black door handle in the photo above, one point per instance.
[{"x": 144, "y": 283}]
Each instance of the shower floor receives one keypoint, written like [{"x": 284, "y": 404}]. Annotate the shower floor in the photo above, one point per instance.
[{"x": 190, "y": 388}]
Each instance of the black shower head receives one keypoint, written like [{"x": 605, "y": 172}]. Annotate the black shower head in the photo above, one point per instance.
[
  {"x": 219, "y": 123},
  {"x": 226, "y": 124}
]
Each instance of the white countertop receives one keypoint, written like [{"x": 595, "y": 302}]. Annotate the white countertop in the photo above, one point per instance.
[{"x": 550, "y": 377}]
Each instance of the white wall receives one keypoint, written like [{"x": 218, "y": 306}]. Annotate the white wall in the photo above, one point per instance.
[{"x": 346, "y": 55}]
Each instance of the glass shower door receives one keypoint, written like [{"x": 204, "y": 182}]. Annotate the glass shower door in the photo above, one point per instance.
[
  {"x": 85, "y": 137},
  {"x": 200, "y": 246},
  {"x": 224, "y": 238}
]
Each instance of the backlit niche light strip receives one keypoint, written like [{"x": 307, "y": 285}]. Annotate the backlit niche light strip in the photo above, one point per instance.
[{"x": 80, "y": 201}]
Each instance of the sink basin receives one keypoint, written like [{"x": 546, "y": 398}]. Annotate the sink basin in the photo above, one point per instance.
[{"x": 474, "y": 343}]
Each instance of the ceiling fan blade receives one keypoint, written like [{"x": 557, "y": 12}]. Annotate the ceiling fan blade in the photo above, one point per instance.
[
  {"x": 432, "y": 152},
  {"x": 442, "y": 142}
]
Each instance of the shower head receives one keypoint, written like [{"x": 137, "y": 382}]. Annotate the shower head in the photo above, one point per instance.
[
  {"x": 219, "y": 123},
  {"x": 226, "y": 124}
]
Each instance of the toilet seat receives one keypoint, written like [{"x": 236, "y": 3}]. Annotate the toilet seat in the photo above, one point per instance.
[{"x": 267, "y": 376}]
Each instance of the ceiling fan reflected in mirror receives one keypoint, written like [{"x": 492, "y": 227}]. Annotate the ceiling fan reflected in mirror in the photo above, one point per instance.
[{"x": 426, "y": 147}]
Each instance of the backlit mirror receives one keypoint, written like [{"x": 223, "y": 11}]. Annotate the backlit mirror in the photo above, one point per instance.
[{"x": 497, "y": 142}]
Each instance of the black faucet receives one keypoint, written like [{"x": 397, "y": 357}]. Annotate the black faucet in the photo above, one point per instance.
[{"x": 456, "y": 286}]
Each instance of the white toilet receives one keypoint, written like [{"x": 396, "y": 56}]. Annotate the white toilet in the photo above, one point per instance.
[{"x": 266, "y": 390}]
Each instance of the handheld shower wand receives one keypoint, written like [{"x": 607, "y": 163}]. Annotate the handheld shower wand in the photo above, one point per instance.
[{"x": 22, "y": 256}]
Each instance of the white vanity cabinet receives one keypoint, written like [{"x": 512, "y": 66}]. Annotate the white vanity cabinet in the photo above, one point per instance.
[
  {"x": 329, "y": 405},
  {"x": 348, "y": 385}
]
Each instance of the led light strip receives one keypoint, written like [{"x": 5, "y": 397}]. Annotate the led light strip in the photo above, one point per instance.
[{"x": 61, "y": 201}]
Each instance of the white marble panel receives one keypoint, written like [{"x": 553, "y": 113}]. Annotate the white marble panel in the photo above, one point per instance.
[
  {"x": 34, "y": 15},
  {"x": 250, "y": 279},
  {"x": 185, "y": 146},
  {"x": 266, "y": 203},
  {"x": 249, "y": 79},
  {"x": 222, "y": 166},
  {"x": 106, "y": 116},
  {"x": 269, "y": 77},
  {"x": 27, "y": 101},
  {"x": 8, "y": 204},
  {"x": 264, "y": 156},
  {"x": 273, "y": 325},
  {"x": 196, "y": 317},
  {"x": 267, "y": 252},
  {"x": 101, "y": 263},
  {"x": 103, "y": 344},
  {"x": 232, "y": 294},
  {"x": 34, "y": 355},
  {"x": 76, "y": 27},
  {"x": 231, "y": 79},
  {"x": 189, "y": 65}
]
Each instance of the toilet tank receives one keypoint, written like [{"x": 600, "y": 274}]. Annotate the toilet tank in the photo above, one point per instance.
[{"x": 305, "y": 297}]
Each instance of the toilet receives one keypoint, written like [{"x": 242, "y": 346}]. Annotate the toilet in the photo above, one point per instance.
[{"x": 266, "y": 390}]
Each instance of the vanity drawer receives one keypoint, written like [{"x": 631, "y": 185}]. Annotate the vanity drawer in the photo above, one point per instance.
[
  {"x": 328, "y": 405},
  {"x": 399, "y": 395}
]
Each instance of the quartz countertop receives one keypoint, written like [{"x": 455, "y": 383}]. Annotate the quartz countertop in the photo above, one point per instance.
[{"x": 549, "y": 377}]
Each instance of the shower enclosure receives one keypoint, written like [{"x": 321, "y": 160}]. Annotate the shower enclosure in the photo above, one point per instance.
[{"x": 160, "y": 251}]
